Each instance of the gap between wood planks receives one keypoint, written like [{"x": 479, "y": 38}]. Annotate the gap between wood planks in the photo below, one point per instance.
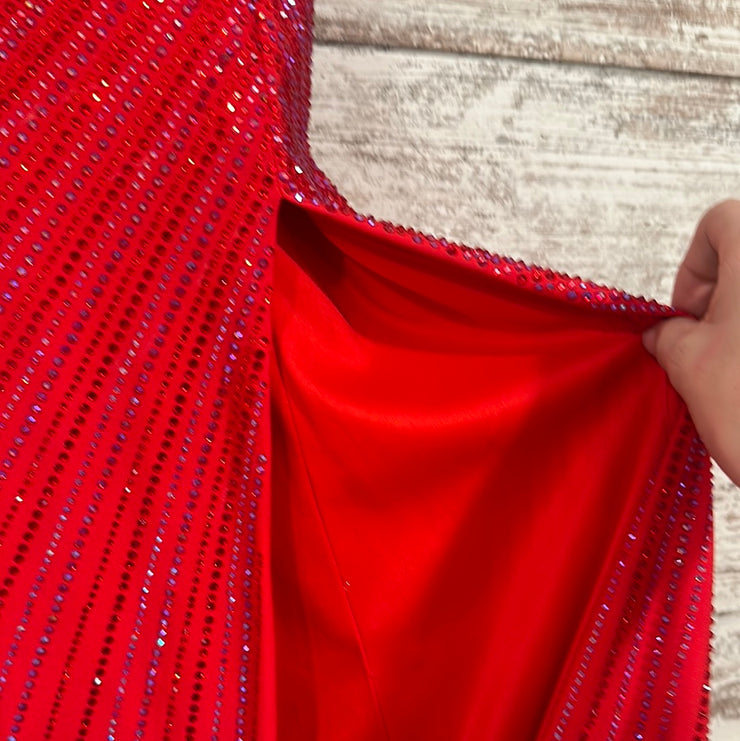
[{"x": 330, "y": 43}]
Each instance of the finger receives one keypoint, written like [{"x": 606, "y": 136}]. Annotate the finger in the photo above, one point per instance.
[
  {"x": 714, "y": 250},
  {"x": 697, "y": 274},
  {"x": 674, "y": 344},
  {"x": 693, "y": 291}
]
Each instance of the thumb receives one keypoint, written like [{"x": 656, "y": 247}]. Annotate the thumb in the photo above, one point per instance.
[{"x": 674, "y": 343}]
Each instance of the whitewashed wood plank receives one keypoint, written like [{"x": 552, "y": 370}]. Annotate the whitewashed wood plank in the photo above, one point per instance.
[
  {"x": 727, "y": 543},
  {"x": 725, "y": 662},
  {"x": 725, "y": 668},
  {"x": 674, "y": 35},
  {"x": 596, "y": 172},
  {"x": 599, "y": 172},
  {"x": 726, "y": 589},
  {"x": 723, "y": 729}
]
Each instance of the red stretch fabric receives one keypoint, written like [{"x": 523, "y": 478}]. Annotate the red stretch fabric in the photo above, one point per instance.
[{"x": 272, "y": 470}]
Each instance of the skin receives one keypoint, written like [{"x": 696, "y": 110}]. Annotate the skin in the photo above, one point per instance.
[{"x": 701, "y": 353}]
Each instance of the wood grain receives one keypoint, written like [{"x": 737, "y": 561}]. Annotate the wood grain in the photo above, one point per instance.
[
  {"x": 598, "y": 172},
  {"x": 684, "y": 35},
  {"x": 725, "y": 680}
]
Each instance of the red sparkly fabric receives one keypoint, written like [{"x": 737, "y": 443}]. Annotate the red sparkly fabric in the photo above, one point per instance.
[{"x": 272, "y": 470}]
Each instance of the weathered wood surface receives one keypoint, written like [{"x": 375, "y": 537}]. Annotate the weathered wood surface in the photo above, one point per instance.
[
  {"x": 685, "y": 35},
  {"x": 725, "y": 679},
  {"x": 600, "y": 172}
]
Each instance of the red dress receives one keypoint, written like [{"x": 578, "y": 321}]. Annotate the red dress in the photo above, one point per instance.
[{"x": 272, "y": 470}]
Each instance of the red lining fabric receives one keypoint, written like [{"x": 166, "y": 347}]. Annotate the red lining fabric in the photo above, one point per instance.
[{"x": 455, "y": 473}]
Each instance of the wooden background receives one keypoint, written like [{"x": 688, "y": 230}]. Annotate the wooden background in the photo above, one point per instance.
[{"x": 587, "y": 136}]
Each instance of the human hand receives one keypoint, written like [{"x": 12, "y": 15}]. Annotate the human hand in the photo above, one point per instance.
[{"x": 702, "y": 356}]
